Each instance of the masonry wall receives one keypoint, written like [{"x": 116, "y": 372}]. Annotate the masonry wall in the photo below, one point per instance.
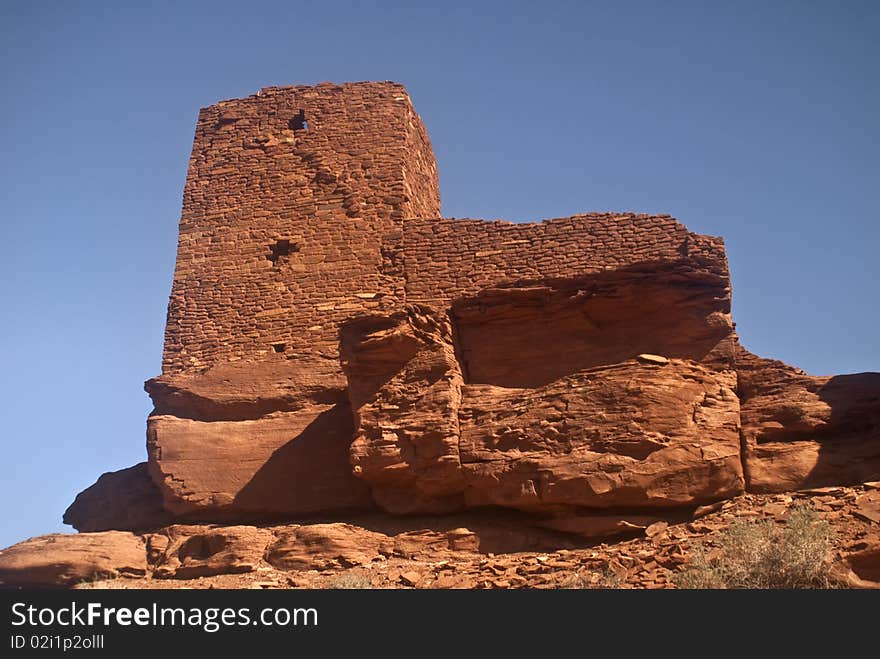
[
  {"x": 445, "y": 259},
  {"x": 306, "y": 206},
  {"x": 286, "y": 195}
]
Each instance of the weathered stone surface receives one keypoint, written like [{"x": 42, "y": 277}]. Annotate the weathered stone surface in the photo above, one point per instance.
[
  {"x": 405, "y": 388},
  {"x": 66, "y": 560},
  {"x": 122, "y": 500},
  {"x": 193, "y": 551},
  {"x": 240, "y": 391},
  {"x": 474, "y": 549},
  {"x": 861, "y": 569},
  {"x": 529, "y": 334},
  {"x": 323, "y": 545},
  {"x": 803, "y": 431},
  {"x": 281, "y": 464},
  {"x": 253, "y": 440},
  {"x": 629, "y": 436}
]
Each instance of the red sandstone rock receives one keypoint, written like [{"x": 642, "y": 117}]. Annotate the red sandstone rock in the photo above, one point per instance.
[
  {"x": 405, "y": 387},
  {"x": 332, "y": 345},
  {"x": 631, "y": 435},
  {"x": 321, "y": 545},
  {"x": 628, "y": 436},
  {"x": 194, "y": 551},
  {"x": 470, "y": 550},
  {"x": 241, "y": 391},
  {"x": 335, "y": 222},
  {"x": 66, "y": 560},
  {"x": 532, "y": 333},
  {"x": 804, "y": 431},
  {"x": 126, "y": 500},
  {"x": 280, "y": 464},
  {"x": 861, "y": 569}
]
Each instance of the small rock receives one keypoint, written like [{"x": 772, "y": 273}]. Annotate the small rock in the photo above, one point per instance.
[
  {"x": 774, "y": 509},
  {"x": 868, "y": 509},
  {"x": 656, "y": 528},
  {"x": 410, "y": 578},
  {"x": 824, "y": 490},
  {"x": 648, "y": 358},
  {"x": 702, "y": 511}
]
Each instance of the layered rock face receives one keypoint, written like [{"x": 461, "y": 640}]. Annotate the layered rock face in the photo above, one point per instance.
[
  {"x": 334, "y": 348},
  {"x": 803, "y": 431},
  {"x": 543, "y": 396}
]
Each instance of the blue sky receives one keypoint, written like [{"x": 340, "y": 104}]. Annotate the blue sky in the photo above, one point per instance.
[{"x": 752, "y": 120}]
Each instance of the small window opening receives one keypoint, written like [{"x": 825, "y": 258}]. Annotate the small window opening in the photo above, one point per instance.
[
  {"x": 279, "y": 347},
  {"x": 298, "y": 122},
  {"x": 281, "y": 249}
]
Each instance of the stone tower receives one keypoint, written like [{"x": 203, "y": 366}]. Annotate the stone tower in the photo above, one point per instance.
[{"x": 287, "y": 195}]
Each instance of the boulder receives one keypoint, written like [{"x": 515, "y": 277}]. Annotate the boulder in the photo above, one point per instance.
[
  {"x": 860, "y": 569},
  {"x": 655, "y": 433},
  {"x": 803, "y": 431},
  {"x": 125, "y": 500},
  {"x": 627, "y": 436},
  {"x": 198, "y": 551},
  {"x": 68, "y": 559},
  {"x": 405, "y": 389},
  {"x": 274, "y": 466},
  {"x": 318, "y": 546}
]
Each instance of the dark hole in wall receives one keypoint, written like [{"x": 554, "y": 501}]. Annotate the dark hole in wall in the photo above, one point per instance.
[
  {"x": 279, "y": 347},
  {"x": 281, "y": 249},
  {"x": 202, "y": 547},
  {"x": 298, "y": 121}
]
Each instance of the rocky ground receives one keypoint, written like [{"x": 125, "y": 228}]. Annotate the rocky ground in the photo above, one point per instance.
[{"x": 377, "y": 553}]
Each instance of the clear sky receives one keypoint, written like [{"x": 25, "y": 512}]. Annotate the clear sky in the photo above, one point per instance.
[{"x": 757, "y": 121}]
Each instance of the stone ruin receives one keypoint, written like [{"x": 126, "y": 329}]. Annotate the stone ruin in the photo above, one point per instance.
[
  {"x": 335, "y": 347},
  {"x": 333, "y": 344}
]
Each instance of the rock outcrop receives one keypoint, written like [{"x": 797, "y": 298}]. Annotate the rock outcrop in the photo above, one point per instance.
[
  {"x": 802, "y": 431},
  {"x": 124, "y": 499},
  {"x": 335, "y": 348},
  {"x": 67, "y": 560},
  {"x": 495, "y": 549}
]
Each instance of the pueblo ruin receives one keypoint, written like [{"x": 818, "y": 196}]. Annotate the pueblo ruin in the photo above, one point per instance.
[{"x": 335, "y": 351}]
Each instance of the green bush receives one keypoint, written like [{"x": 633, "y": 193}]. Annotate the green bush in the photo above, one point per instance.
[{"x": 765, "y": 554}]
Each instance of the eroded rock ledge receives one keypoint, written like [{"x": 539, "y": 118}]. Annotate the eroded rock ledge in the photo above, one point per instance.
[{"x": 498, "y": 550}]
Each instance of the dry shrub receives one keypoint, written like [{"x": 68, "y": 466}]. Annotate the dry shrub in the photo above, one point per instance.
[
  {"x": 584, "y": 579},
  {"x": 765, "y": 554},
  {"x": 348, "y": 581}
]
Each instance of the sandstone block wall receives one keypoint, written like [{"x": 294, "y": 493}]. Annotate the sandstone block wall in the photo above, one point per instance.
[
  {"x": 445, "y": 259},
  {"x": 305, "y": 206},
  {"x": 286, "y": 194}
]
